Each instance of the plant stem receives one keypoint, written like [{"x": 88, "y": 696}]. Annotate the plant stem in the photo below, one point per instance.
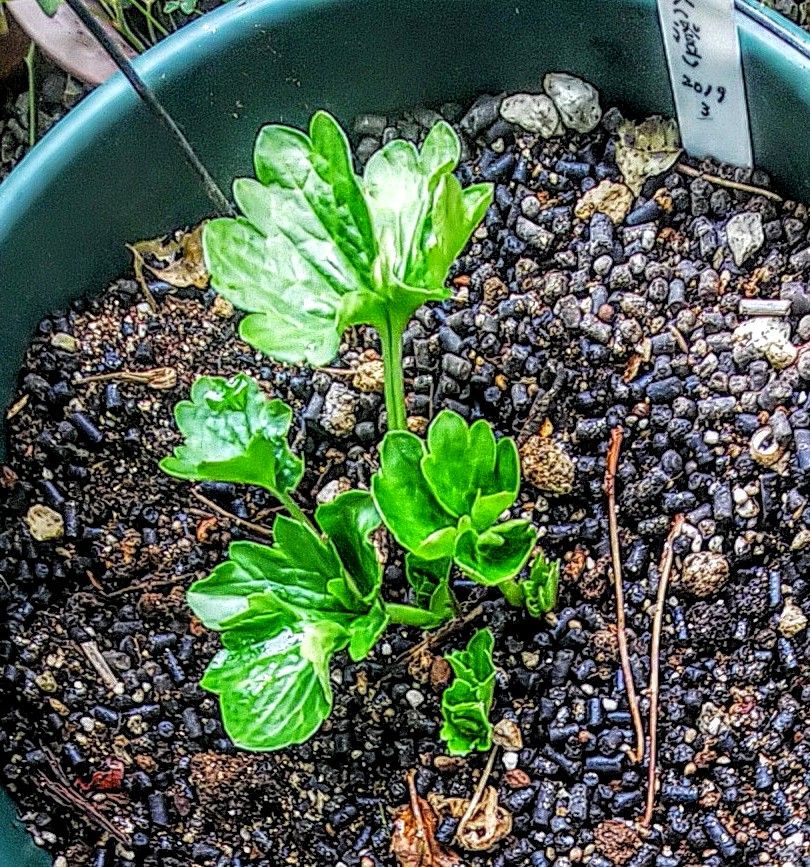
[
  {"x": 513, "y": 592},
  {"x": 655, "y": 652},
  {"x": 616, "y": 556},
  {"x": 154, "y": 105},
  {"x": 391, "y": 339},
  {"x": 30, "y": 59},
  {"x": 295, "y": 511},
  {"x": 409, "y": 615}
]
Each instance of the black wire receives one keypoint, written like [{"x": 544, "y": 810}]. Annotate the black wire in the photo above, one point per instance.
[{"x": 151, "y": 101}]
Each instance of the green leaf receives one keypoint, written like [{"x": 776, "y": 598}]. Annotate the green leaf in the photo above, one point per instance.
[
  {"x": 318, "y": 249},
  {"x": 49, "y": 7},
  {"x": 234, "y": 433},
  {"x": 430, "y": 581},
  {"x": 283, "y": 610},
  {"x": 466, "y": 703},
  {"x": 406, "y": 501},
  {"x": 301, "y": 571},
  {"x": 275, "y": 690},
  {"x": 541, "y": 587},
  {"x": 441, "y": 499},
  {"x": 364, "y": 632},
  {"x": 496, "y": 554},
  {"x": 348, "y": 521}
]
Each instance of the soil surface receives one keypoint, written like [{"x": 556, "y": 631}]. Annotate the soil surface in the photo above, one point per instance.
[{"x": 562, "y": 326}]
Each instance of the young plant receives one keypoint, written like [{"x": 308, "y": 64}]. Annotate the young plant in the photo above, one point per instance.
[
  {"x": 540, "y": 588},
  {"x": 319, "y": 249},
  {"x": 441, "y": 500},
  {"x": 466, "y": 703}
]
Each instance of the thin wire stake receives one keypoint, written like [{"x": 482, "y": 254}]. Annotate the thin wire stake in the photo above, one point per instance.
[{"x": 151, "y": 101}]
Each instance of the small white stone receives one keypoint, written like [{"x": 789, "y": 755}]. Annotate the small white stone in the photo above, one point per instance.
[
  {"x": 510, "y": 760},
  {"x": 575, "y": 99},
  {"x": 533, "y": 112},
  {"x": 414, "y": 698},
  {"x": 745, "y": 236},
  {"x": 610, "y": 704}
]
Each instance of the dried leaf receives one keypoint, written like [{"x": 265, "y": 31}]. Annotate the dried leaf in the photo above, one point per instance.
[
  {"x": 413, "y": 840},
  {"x": 488, "y": 824},
  {"x": 178, "y": 261},
  {"x": 646, "y": 149}
]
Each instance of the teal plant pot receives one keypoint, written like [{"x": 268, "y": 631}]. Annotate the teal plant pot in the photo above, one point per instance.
[{"x": 108, "y": 175}]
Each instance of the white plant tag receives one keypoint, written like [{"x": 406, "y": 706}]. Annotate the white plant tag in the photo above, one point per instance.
[{"x": 703, "y": 53}]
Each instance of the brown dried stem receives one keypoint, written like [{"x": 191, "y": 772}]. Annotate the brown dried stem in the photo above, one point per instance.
[
  {"x": 436, "y": 637},
  {"x": 621, "y": 630},
  {"x": 655, "y": 650},
  {"x": 731, "y": 185},
  {"x": 64, "y": 795},
  {"x": 224, "y": 513},
  {"x": 478, "y": 793}
]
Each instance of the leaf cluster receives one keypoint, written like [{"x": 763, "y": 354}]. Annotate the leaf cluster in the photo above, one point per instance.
[
  {"x": 441, "y": 499},
  {"x": 466, "y": 703},
  {"x": 318, "y": 248}
]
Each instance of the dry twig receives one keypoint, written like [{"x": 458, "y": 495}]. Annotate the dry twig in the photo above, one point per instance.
[
  {"x": 479, "y": 791},
  {"x": 438, "y": 636},
  {"x": 621, "y": 630},
  {"x": 655, "y": 650},
  {"x": 99, "y": 663},
  {"x": 248, "y": 525},
  {"x": 64, "y": 795},
  {"x": 731, "y": 185}
]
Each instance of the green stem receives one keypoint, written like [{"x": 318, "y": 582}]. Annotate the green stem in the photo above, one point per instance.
[
  {"x": 30, "y": 59},
  {"x": 391, "y": 338},
  {"x": 512, "y": 592},
  {"x": 295, "y": 510},
  {"x": 409, "y": 615}
]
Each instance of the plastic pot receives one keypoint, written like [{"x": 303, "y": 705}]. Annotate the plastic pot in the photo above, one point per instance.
[{"x": 107, "y": 174}]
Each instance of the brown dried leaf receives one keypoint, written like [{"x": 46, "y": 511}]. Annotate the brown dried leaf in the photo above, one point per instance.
[
  {"x": 413, "y": 840},
  {"x": 178, "y": 261},
  {"x": 646, "y": 149}
]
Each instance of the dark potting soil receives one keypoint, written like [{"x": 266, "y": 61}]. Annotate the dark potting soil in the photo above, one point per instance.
[{"x": 554, "y": 317}]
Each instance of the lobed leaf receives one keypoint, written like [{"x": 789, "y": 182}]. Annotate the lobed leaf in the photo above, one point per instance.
[
  {"x": 275, "y": 690},
  {"x": 466, "y": 703},
  {"x": 283, "y": 611},
  {"x": 234, "y": 433}
]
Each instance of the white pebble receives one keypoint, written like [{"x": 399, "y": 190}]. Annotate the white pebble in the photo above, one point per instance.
[
  {"x": 414, "y": 698},
  {"x": 510, "y": 760}
]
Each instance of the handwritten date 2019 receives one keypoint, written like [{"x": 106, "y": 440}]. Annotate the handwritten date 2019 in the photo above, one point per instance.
[{"x": 709, "y": 92}]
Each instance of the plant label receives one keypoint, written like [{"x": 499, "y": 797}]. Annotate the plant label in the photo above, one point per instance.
[{"x": 703, "y": 54}]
